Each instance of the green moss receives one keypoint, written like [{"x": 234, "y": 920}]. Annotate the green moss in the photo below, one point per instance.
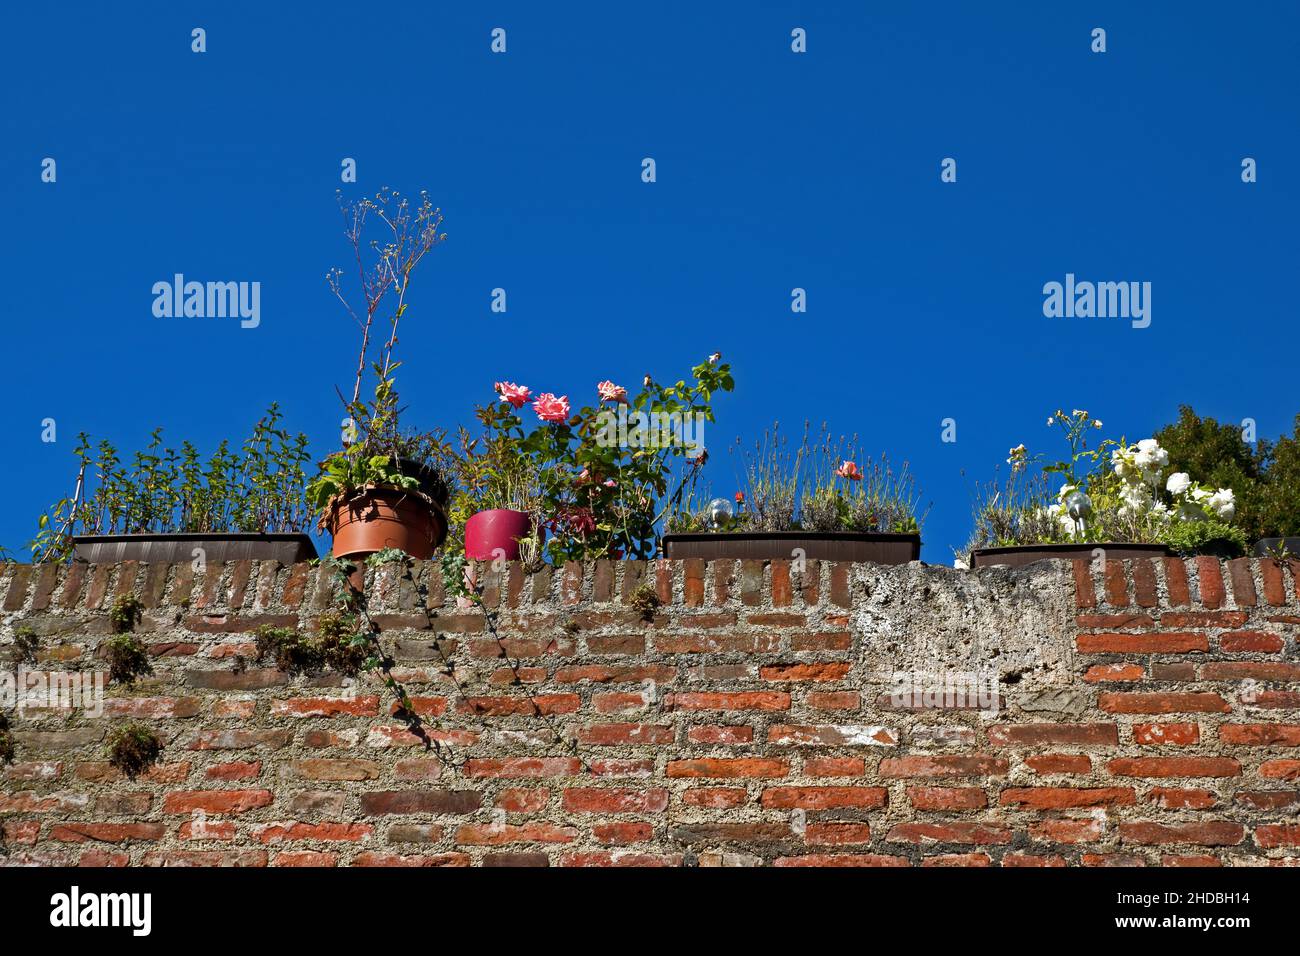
[{"x": 133, "y": 749}]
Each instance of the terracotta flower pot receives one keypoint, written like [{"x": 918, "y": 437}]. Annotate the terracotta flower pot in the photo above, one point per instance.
[
  {"x": 380, "y": 518},
  {"x": 489, "y": 533}
]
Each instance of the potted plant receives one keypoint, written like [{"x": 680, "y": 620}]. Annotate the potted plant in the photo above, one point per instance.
[
  {"x": 498, "y": 502},
  {"x": 371, "y": 495},
  {"x": 597, "y": 478},
  {"x": 171, "y": 506},
  {"x": 1116, "y": 498},
  {"x": 817, "y": 502}
]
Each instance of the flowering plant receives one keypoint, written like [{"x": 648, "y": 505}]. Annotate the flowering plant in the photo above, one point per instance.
[
  {"x": 598, "y": 473},
  {"x": 1114, "y": 492}
]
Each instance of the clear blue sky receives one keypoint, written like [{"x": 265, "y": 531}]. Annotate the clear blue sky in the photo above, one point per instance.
[{"x": 775, "y": 171}]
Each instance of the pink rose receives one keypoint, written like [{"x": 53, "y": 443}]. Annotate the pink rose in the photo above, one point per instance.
[
  {"x": 551, "y": 409},
  {"x": 609, "y": 392},
  {"x": 849, "y": 470},
  {"x": 611, "y": 483},
  {"x": 516, "y": 395}
]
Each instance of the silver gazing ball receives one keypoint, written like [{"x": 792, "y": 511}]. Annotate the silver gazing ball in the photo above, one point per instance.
[
  {"x": 1078, "y": 505},
  {"x": 719, "y": 511}
]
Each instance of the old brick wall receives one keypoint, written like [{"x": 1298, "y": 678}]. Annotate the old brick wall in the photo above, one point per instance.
[{"x": 1148, "y": 714}]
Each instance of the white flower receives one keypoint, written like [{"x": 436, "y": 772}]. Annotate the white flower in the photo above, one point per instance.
[
  {"x": 1096, "y": 423},
  {"x": 1223, "y": 504},
  {"x": 960, "y": 565},
  {"x": 1178, "y": 483},
  {"x": 1150, "y": 455},
  {"x": 1050, "y": 419}
]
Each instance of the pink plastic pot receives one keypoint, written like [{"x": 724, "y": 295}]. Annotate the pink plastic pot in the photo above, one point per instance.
[{"x": 495, "y": 534}]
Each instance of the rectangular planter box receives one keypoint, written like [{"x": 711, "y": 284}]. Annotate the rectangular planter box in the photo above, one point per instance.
[
  {"x": 1019, "y": 556},
  {"x": 179, "y": 548},
  {"x": 778, "y": 545}
]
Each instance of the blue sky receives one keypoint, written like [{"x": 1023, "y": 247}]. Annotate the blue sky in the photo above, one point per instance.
[{"x": 775, "y": 170}]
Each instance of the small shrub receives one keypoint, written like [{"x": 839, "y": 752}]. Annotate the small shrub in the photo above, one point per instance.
[
  {"x": 1207, "y": 537},
  {"x": 7, "y": 748},
  {"x": 133, "y": 749},
  {"x": 337, "y": 645},
  {"x": 128, "y": 659},
  {"x": 124, "y": 614},
  {"x": 26, "y": 643},
  {"x": 645, "y": 600}
]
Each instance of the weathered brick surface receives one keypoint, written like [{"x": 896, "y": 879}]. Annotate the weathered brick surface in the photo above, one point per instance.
[{"x": 1148, "y": 713}]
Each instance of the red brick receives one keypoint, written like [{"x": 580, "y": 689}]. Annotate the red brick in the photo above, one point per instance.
[
  {"x": 837, "y": 834},
  {"x": 1251, "y": 670},
  {"x": 1033, "y": 735},
  {"x": 1280, "y": 769},
  {"x": 1065, "y": 798},
  {"x": 235, "y": 770},
  {"x": 324, "y": 832},
  {"x": 106, "y": 832},
  {"x": 1099, "y": 673},
  {"x": 1260, "y": 735},
  {"x": 615, "y": 800},
  {"x": 841, "y": 860},
  {"x": 1162, "y": 734},
  {"x": 728, "y": 767},
  {"x": 1209, "y": 581},
  {"x": 1204, "y": 833},
  {"x": 1059, "y": 763},
  {"x": 1032, "y": 860},
  {"x": 1203, "y": 618},
  {"x": 720, "y": 735},
  {"x": 1174, "y": 767},
  {"x": 1236, "y": 642},
  {"x": 824, "y": 798},
  {"x": 835, "y": 766},
  {"x": 1065, "y": 831},
  {"x": 947, "y": 798},
  {"x": 1274, "y": 583},
  {"x": 497, "y": 834},
  {"x": 612, "y": 735},
  {"x": 1176, "y": 798},
  {"x": 740, "y": 700},
  {"x": 1144, "y": 582},
  {"x": 523, "y": 767},
  {"x": 1275, "y": 835},
  {"x": 521, "y": 800},
  {"x": 977, "y": 833},
  {"x": 1184, "y": 703},
  {"x": 215, "y": 801},
  {"x": 1172, "y": 642},
  {"x": 782, "y": 593},
  {"x": 1243, "y": 582},
  {"x": 1084, "y": 595},
  {"x": 806, "y": 672},
  {"x": 622, "y": 833},
  {"x": 1116, "y": 584}
]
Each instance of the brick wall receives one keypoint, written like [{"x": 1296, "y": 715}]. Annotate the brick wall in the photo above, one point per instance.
[{"x": 1149, "y": 714}]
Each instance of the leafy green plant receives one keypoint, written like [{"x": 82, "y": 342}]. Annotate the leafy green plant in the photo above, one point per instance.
[
  {"x": 1114, "y": 492},
  {"x": 26, "y": 644},
  {"x": 337, "y": 645},
  {"x": 838, "y": 494},
  {"x": 1265, "y": 478},
  {"x": 374, "y": 445},
  {"x": 8, "y": 750},
  {"x": 128, "y": 659},
  {"x": 133, "y": 748},
  {"x": 645, "y": 601},
  {"x": 124, "y": 613},
  {"x": 163, "y": 491},
  {"x": 1210, "y": 536}
]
